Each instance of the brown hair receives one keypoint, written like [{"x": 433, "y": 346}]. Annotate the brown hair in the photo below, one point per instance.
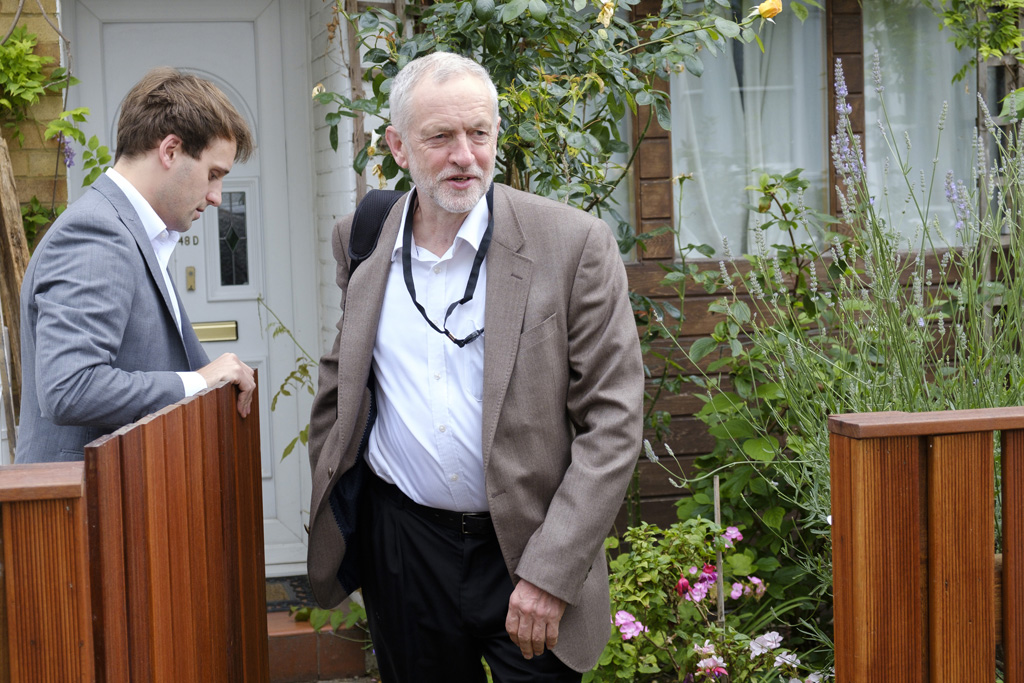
[{"x": 167, "y": 102}]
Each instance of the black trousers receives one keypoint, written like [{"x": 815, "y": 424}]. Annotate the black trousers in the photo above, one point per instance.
[{"x": 436, "y": 599}]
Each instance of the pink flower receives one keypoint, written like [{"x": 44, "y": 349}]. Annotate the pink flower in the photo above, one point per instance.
[
  {"x": 708, "y": 575},
  {"x": 693, "y": 570},
  {"x": 628, "y": 625},
  {"x": 737, "y": 591},
  {"x": 787, "y": 659},
  {"x": 766, "y": 643},
  {"x": 698, "y": 592},
  {"x": 758, "y": 586},
  {"x": 713, "y": 665},
  {"x": 683, "y": 586},
  {"x": 707, "y": 649},
  {"x": 731, "y": 534}
]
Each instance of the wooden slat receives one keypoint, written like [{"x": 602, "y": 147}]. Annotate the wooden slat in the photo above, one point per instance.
[
  {"x": 106, "y": 559},
  {"x": 1013, "y": 555},
  {"x": 885, "y": 518},
  {"x": 41, "y": 569},
  {"x": 141, "y": 629},
  {"x": 248, "y": 515},
  {"x": 5, "y": 650},
  {"x": 876, "y": 491},
  {"x": 961, "y": 558},
  {"x": 655, "y": 199},
  {"x": 872, "y": 425},
  {"x": 179, "y": 544},
  {"x": 198, "y": 551},
  {"x": 41, "y": 481},
  {"x": 217, "y": 570}
]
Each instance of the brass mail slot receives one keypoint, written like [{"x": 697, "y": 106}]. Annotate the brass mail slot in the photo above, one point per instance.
[{"x": 225, "y": 330}]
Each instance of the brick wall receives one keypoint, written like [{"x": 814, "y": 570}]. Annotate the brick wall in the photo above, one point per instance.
[{"x": 38, "y": 166}]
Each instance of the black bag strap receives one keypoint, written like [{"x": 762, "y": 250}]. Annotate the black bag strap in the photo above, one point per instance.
[{"x": 367, "y": 223}]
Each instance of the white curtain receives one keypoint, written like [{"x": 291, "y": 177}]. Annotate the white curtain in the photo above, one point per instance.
[
  {"x": 917, "y": 67},
  {"x": 750, "y": 112}
]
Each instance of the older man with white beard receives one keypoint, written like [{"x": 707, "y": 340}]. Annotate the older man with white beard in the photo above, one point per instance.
[{"x": 479, "y": 415}]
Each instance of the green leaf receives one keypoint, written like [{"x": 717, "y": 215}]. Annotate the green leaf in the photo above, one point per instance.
[
  {"x": 770, "y": 390},
  {"x": 319, "y": 618},
  {"x": 538, "y": 10},
  {"x": 359, "y": 163},
  {"x": 513, "y": 10},
  {"x": 740, "y": 311},
  {"x": 693, "y": 64},
  {"x": 732, "y": 429},
  {"x": 1013, "y": 104},
  {"x": 740, "y": 564},
  {"x": 729, "y": 29},
  {"x": 665, "y": 121},
  {"x": 799, "y": 10},
  {"x": 333, "y": 137},
  {"x": 701, "y": 348},
  {"x": 773, "y": 518},
  {"x": 763, "y": 448},
  {"x": 337, "y": 619}
]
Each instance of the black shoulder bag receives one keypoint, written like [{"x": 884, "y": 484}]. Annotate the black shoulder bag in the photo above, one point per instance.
[{"x": 367, "y": 223}]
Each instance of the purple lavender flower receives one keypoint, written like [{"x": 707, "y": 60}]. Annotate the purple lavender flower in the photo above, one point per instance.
[{"x": 69, "y": 152}]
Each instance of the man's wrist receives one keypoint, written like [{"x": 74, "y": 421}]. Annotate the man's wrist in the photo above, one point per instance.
[{"x": 192, "y": 382}]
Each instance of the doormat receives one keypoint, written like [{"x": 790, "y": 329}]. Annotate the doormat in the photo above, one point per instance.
[{"x": 287, "y": 591}]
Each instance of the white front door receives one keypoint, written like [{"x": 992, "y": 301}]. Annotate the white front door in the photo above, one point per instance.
[{"x": 259, "y": 243}]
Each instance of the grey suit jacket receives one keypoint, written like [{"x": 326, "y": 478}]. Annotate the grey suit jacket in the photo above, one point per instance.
[
  {"x": 562, "y": 407},
  {"x": 99, "y": 346}
]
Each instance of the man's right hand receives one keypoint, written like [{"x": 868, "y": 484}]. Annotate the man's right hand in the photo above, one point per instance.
[{"x": 229, "y": 368}]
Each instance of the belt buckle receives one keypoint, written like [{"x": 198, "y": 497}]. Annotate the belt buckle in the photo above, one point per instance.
[{"x": 469, "y": 516}]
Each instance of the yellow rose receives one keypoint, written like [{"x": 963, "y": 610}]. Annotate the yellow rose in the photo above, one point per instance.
[
  {"x": 607, "y": 12},
  {"x": 769, "y": 8}
]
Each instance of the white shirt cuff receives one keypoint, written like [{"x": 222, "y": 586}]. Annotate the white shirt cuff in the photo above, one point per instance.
[{"x": 193, "y": 382}]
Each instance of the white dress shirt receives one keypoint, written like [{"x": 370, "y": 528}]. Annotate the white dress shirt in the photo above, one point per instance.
[
  {"x": 428, "y": 433},
  {"x": 163, "y": 241}
]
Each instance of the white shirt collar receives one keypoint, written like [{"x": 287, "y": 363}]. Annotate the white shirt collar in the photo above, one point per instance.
[
  {"x": 162, "y": 239},
  {"x": 471, "y": 232}
]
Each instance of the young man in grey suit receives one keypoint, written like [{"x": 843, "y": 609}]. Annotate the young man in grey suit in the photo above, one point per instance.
[
  {"x": 105, "y": 339},
  {"x": 469, "y": 458}
]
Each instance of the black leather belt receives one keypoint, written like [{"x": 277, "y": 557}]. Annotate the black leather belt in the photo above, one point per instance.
[{"x": 468, "y": 523}]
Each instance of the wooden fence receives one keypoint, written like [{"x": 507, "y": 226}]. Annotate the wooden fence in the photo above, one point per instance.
[
  {"x": 913, "y": 534},
  {"x": 145, "y": 563}
]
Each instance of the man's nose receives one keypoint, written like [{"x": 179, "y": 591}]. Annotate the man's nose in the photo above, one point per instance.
[
  {"x": 461, "y": 155},
  {"x": 213, "y": 197}
]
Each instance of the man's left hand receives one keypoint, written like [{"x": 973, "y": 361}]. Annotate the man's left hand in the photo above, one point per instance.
[{"x": 533, "y": 617}]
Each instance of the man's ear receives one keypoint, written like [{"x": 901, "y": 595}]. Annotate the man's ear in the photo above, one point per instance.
[
  {"x": 394, "y": 140},
  {"x": 169, "y": 150}
]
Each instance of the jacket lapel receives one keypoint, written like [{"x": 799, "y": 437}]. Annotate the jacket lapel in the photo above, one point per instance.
[
  {"x": 363, "y": 300},
  {"x": 508, "y": 285},
  {"x": 126, "y": 212}
]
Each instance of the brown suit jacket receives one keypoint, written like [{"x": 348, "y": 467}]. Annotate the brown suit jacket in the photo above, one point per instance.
[{"x": 562, "y": 406}]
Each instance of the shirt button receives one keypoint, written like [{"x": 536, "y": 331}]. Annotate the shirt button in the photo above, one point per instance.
[
  {"x": 454, "y": 477},
  {"x": 442, "y": 428},
  {"x": 437, "y": 269},
  {"x": 437, "y": 375}
]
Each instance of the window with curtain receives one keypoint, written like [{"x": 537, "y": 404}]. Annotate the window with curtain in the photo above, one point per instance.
[
  {"x": 917, "y": 66},
  {"x": 750, "y": 113}
]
